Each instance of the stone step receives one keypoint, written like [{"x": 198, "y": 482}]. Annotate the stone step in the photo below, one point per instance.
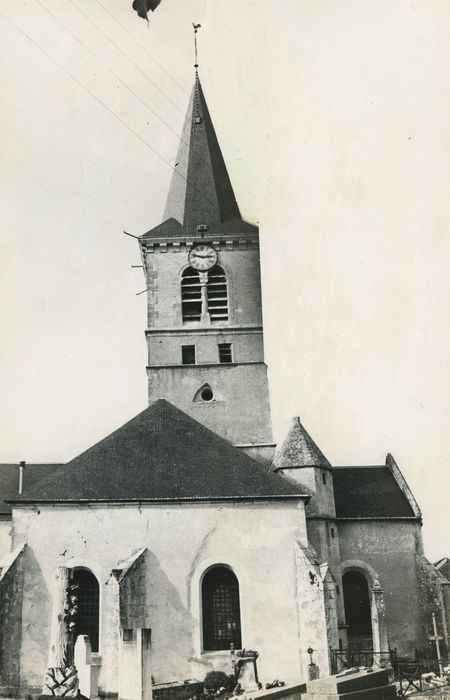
[
  {"x": 386, "y": 692},
  {"x": 361, "y": 685}
]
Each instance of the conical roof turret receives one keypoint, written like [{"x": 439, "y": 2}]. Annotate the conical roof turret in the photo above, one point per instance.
[
  {"x": 298, "y": 449},
  {"x": 200, "y": 191}
]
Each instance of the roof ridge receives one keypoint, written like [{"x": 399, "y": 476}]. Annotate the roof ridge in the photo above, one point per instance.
[
  {"x": 359, "y": 466},
  {"x": 142, "y": 461}
]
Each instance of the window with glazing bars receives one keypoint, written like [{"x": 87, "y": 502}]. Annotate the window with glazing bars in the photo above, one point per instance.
[
  {"x": 217, "y": 294},
  {"x": 191, "y": 295},
  {"x": 87, "y": 617},
  {"x": 225, "y": 354},
  {"x": 221, "y": 610}
]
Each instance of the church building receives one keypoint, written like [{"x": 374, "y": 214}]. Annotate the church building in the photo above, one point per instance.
[{"x": 187, "y": 531}]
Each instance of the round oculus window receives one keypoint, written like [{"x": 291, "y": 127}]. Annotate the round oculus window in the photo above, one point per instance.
[{"x": 207, "y": 394}]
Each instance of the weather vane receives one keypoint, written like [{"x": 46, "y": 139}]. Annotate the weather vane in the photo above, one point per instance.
[{"x": 196, "y": 28}]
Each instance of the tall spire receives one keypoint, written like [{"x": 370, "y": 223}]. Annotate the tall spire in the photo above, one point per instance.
[{"x": 200, "y": 192}]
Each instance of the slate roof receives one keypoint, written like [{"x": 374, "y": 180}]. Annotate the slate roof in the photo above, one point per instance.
[
  {"x": 171, "y": 228},
  {"x": 200, "y": 191},
  {"x": 369, "y": 492},
  {"x": 9, "y": 480},
  {"x": 162, "y": 454},
  {"x": 298, "y": 449}
]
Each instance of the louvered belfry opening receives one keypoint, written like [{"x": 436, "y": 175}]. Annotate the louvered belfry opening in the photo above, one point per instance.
[
  {"x": 87, "y": 618},
  {"x": 191, "y": 295},
  {"x": 221, "y": 610},
  {"x": 217, "y": 294}
]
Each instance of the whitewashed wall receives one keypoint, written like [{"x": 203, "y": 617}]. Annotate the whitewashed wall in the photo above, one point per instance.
[{"x": 255, "y": 539}]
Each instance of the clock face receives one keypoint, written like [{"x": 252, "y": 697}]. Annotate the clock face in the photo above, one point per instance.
[{"x": 202, "y": 257}]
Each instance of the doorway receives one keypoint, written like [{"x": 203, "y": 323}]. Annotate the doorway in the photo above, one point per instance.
[{"x": 358, "y": 614}]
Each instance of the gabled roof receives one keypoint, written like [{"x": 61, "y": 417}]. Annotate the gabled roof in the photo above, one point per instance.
[
  {"x": 443, "y": 566},
  {"x": 9, "y": 480},
  {"x": 200, "y": 191},
  {"x": 369, "y": 492},
  {"x": 161, "y": 455},
  {"x": 298, "y": 450}
]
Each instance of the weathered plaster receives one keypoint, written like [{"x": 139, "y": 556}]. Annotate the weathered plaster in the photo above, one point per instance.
[
  {"x": 180, "y": 541},
  {"x": 11, "y": 589},
  {"x": 388, "y": 549},
  {"x": 5, "y": 536}
]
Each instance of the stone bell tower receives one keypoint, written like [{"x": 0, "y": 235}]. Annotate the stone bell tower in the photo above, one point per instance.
[{"x": 205, "y": 333}]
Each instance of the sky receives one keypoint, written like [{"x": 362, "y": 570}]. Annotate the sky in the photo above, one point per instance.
[{"x": 333, "y": 120}]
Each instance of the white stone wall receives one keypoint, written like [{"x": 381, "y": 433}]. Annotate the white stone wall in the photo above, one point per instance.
[
  {"x": 243, "y": 277},
  {"x": 389, "y": 549},
  {"x": 255, "y": 539},
  {"x": 240, "y": 410},
  {"x": 5, "y": 537}
]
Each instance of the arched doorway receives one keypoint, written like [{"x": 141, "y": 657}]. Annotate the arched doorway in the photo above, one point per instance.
[
  {"x": 358, "y": 613},
  {"x": 87, "y": 618}
]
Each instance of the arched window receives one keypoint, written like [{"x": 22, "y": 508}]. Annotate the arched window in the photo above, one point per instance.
[
  {"x": 217, "y": 294},
  {"x": 191, "y": 295},
  {"x": 87, "y": 618},
  {"x": 221, "y": 609},
  {"x": 357, "y": 610}
]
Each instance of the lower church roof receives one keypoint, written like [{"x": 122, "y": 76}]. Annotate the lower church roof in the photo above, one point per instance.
[
  {"x": 369, "y": 492},
  {"x": 9, "y": 480},
  {"x": 162, "y": 454}
]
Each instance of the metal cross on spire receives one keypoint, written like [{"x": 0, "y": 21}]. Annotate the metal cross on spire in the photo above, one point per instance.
[{"x": 196, "y": 28}]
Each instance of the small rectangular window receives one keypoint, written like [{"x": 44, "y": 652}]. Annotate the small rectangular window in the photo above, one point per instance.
[
  {"x": 127, "y": 635},
  {"x": 324, "y": 478},
  {"x": 332, "y": 532},
  {"x": 188, "y": 354},
  {"x": 337, "y": 590},
  {"x": 225, "y": 352}
]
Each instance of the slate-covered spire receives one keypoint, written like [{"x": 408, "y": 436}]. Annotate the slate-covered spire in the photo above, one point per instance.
[
  {"x": 298, "y": 449},
  {"x": 200, "y": 192}
]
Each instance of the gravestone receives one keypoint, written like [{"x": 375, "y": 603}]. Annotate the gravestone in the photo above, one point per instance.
[
  {"x": 363, "y": 684},
  {"x": 246, "y": 671},
  {"x": 87, "y": 670}
]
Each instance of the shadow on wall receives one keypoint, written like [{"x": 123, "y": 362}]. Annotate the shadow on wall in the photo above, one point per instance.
[
  {"x": 25, "y": 606},
  {"x": 149, "y": 599}
]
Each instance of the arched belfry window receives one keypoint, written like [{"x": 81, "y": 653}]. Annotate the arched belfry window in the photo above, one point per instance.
[
  {"x": 217, "y": 294},
  {"x": 204, "y": 295},
  {"x": 87, "y": 618},
  {"x": 191, "y": 295},
  {"x": 221, "y": 609}
]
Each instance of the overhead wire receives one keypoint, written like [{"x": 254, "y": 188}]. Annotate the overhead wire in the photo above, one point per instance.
[
  {"x": 179, "y": 136},
  {"x": 141, "y": 46},
  {"x": 147, "y": 77},
  {"x": 92, "y": 94},
  {"x": 103, "y": 63},
  {"x": 95, "y": 97}
]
